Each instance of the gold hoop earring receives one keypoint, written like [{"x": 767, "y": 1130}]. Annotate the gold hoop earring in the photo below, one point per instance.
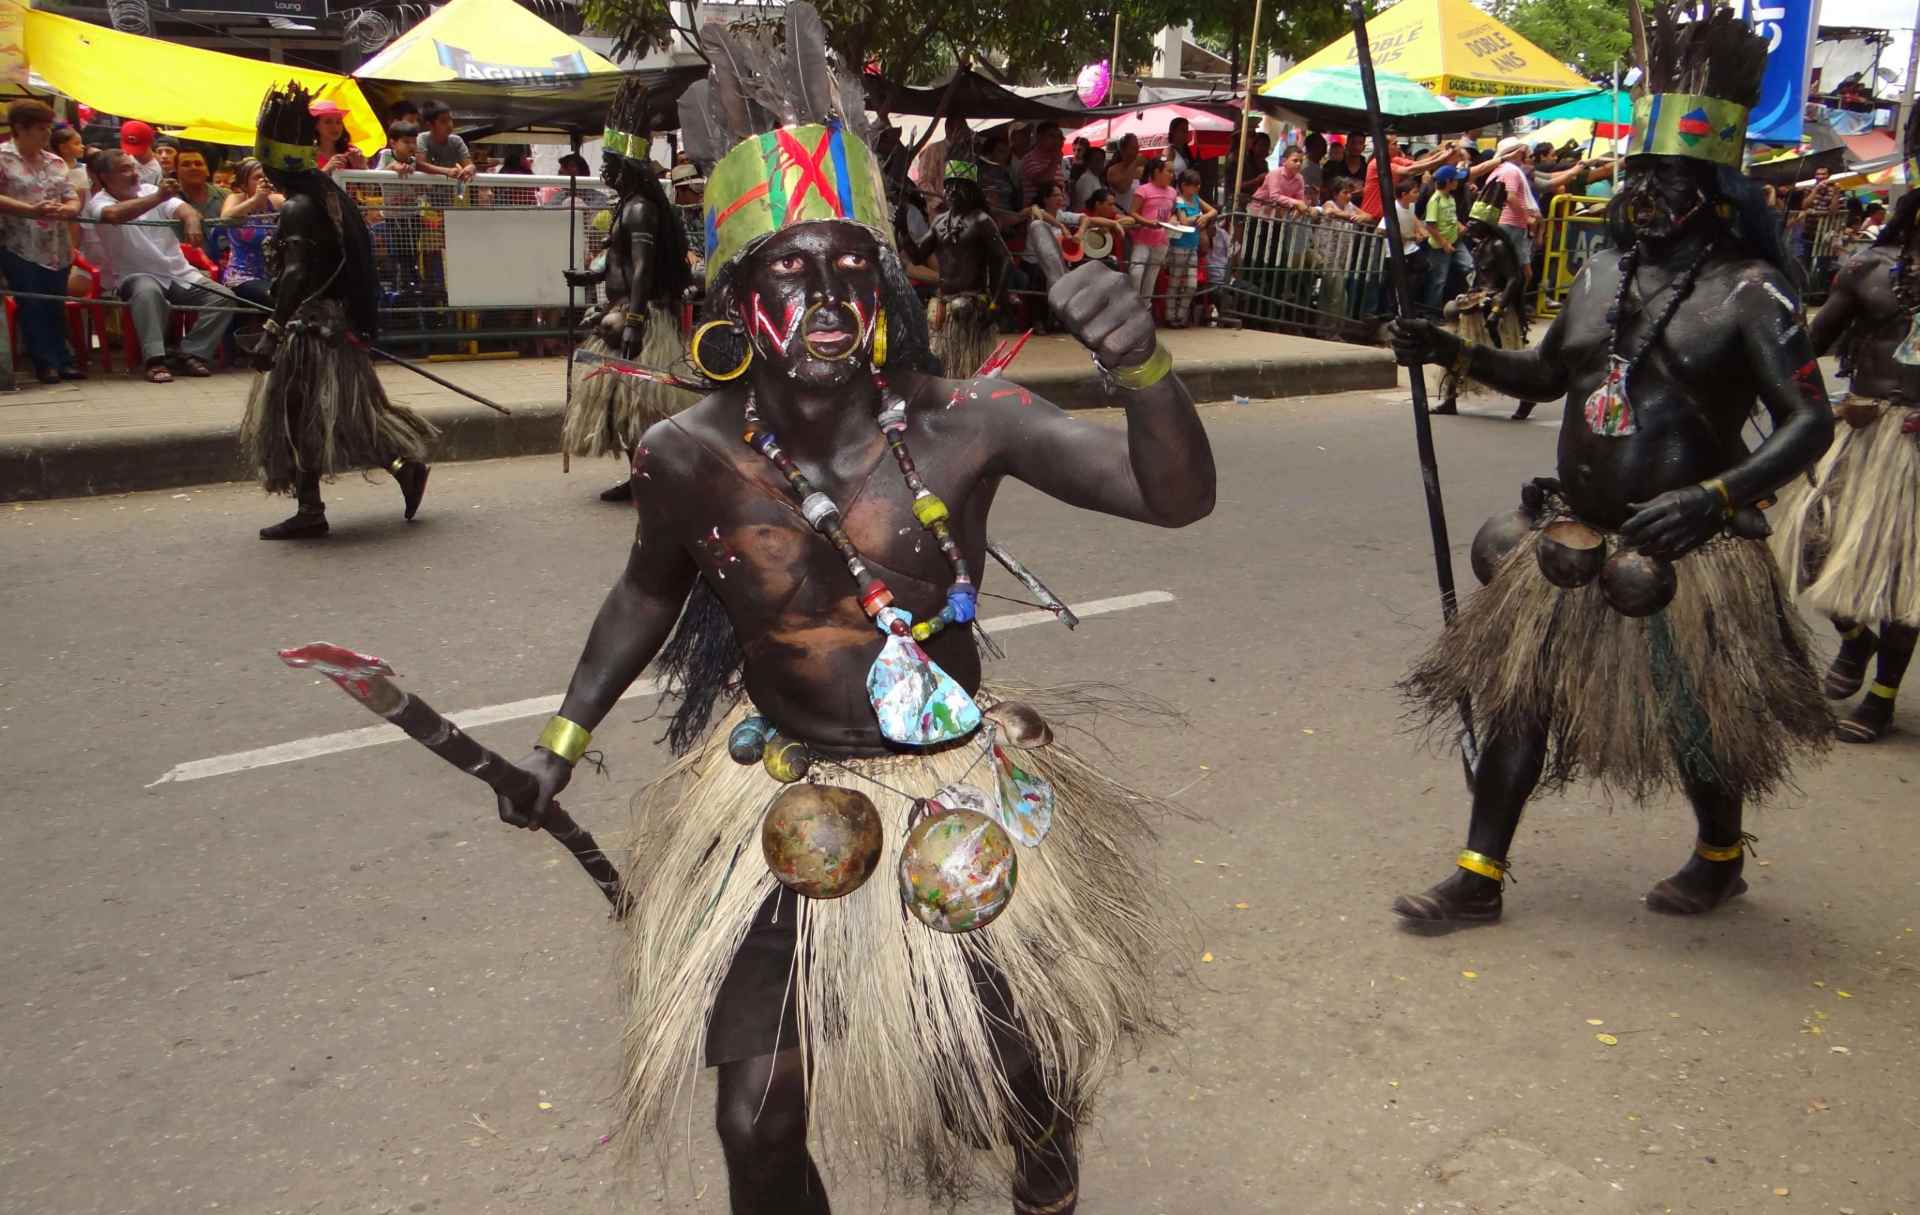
[
  {"x": 693, "y": 354},
  {"x": 880, "y": 338}
]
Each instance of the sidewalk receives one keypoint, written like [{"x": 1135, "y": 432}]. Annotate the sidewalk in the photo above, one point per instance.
[{"x": 116, "y": 433}]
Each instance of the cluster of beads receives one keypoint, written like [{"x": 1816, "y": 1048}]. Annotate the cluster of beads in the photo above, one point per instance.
[
  {"x": 962, "y": 598},
  {"x": 822, "y": 513}
]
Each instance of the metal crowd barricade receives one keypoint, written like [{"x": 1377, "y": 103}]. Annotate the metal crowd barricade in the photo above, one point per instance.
[
  {"x": 1312, "y": 274},
  {"x": 1576, "y": 226},
  {"x": 477, "y": 264},
  {"x": 1820, "y": 240}
]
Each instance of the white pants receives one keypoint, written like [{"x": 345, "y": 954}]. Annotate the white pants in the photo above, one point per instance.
[
  {"x": 1143, "y": 267},
  {"x": 1183, "y": 275}
]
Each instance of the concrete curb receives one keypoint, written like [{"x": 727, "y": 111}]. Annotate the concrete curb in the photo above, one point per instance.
[{"x": 120, "y": 461}]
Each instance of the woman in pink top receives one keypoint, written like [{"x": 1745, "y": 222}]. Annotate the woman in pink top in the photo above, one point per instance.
[{"x": 1152, "y": 205}]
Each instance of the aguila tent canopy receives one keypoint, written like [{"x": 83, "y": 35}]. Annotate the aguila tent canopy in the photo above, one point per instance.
[
  {"x": 215, "y": 97},
  {"x": 501, "y": 68},
  {"x": 1451, "y": 47},
  {"x": 483, "y": 40}
]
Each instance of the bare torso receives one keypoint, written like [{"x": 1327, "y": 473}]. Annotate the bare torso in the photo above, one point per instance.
[
  {"x": 807, "y": 643},
  {"x": 1690, "y": 396},
  {"x": 1870, "y": 324}
]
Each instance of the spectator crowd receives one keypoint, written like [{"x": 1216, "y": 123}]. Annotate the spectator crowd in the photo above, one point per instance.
[{"x": 181, "y": 240}]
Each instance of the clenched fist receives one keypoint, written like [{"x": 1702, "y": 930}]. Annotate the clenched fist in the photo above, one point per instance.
[{"x": 1096, "y": 304}]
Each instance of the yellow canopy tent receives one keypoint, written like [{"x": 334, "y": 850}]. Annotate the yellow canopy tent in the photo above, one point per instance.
[
  {"x": 1450, "y": 47},
  {"x": 483, "y": 40},
  {"x": 206, "y": 94}
]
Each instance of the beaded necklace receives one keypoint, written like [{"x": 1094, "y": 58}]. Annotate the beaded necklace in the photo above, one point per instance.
[
  {"x": 823, "y": 514},
  {"x": 1608, "y": 409}
]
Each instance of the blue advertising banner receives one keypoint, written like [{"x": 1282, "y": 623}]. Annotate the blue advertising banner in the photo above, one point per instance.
[{"x": 1789, "y": 27}]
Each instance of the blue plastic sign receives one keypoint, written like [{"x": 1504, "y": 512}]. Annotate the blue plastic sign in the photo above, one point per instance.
[{"x": 1788, "y": 26}]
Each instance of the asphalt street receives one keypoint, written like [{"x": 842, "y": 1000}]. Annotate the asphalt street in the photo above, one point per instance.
[{"x": 322, "y": 977}]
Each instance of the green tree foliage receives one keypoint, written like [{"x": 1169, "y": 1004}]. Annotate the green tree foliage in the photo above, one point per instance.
[
  {"x": 1589, "y": 34},
  {"x": 1029, "y": 38}
]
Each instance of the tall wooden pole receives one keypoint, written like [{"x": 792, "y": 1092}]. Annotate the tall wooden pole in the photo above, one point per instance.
[
  {"x": 1416, "y": 374},
  {"x": 1246, "y": 115}
]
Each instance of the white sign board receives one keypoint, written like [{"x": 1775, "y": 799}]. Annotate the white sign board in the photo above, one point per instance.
[{"x": 506, "y": 259}]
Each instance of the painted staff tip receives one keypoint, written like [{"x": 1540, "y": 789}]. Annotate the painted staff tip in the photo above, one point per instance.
[{"x": 334, "y": 661}]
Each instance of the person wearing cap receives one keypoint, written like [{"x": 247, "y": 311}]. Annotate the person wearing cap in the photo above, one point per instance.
[
  {"x": 166, "y": 150},
  {"x": 1443, "y": 229},
  {"x": 1521, "y": 212},
  {"x": 336, "y": 151},
  {"x": 136, "y": 140}
]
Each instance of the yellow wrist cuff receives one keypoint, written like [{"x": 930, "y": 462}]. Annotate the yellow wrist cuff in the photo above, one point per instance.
[
  {"x": 1482, "y": 864},
  {"x": 1707, "y": 852},
  {"x": 1157, "y": 367},
  {"x": 1719, "y": 490},
  {"x": 1882, "y": 690},
  {"x": 564, "y": 738}
]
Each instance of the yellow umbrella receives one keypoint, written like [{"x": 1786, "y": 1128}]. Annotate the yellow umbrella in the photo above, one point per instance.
[
  {"x": 1453, "y": 48},
  {"x": 1579, "y": 130},
  {"x": 176, "y": 86},
  {"x": 483, "y": 40}
]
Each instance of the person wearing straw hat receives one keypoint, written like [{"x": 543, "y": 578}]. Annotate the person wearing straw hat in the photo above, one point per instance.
[
  {"x": 1632, "y": 628},
  {"x": 809, "y": 536}
]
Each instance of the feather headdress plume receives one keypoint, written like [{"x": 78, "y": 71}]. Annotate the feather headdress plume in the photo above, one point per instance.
[
  {"x": 1700, "y": 77},
  {"x": 788, "y": 134}
]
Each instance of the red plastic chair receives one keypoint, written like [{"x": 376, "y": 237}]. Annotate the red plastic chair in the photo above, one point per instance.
[{"x": 79, "y": 312}]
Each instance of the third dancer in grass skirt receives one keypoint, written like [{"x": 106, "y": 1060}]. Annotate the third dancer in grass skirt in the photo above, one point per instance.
[{"x": 1850, "y": 536}]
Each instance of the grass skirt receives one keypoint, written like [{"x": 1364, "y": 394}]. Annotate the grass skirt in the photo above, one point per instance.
[
  {"x": 1472, "y": 327},
  {"x": 610, "y": 411},
  {"x": 1718, "y": 685},
  {"x": 901, "y": 1054},
  {"x": 321, "y": 408},
  {"x": 965, "y": 335},
  {"x": 1850, "y": 539}
]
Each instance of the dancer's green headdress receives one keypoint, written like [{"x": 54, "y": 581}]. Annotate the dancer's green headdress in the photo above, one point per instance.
[
  {"x": 797, "y": 136},
  {"x": 1700, "y": 81}
]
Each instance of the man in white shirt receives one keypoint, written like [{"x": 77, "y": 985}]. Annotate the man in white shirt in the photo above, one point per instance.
[{"x": 144, "y": 263}]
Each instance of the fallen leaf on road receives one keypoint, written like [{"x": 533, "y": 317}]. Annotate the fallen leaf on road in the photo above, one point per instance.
[
  {"x": 1818, "y": 983},
  {"x": 1781, "y": 1191},
  {"x": 1841, "y": 1050},
  {"x": 1844, "y": 995},
  {"x": 1306, "y": 731},
  {"x": 1816, "y": 1105},
  {"x": 1606, "y": 1039},
  {"x": 1469, "y": 974},
  {"x": 1595, "y": 1021},
  {"x": 546, "y": 1105},
  {"x": 1241, "y": 906},
  {"x": 1207, "y": 957}
]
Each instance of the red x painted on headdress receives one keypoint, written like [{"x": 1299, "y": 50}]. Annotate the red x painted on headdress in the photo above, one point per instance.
[{"x": 812, "y": 175}]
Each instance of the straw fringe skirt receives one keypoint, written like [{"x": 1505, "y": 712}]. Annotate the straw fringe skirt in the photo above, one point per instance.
[
  {"x": 1473, "y": 329},
  {"x": 905, "y": 1062},
  {"x": 1718, "y": 686},
  {"x": 610, "y": 411},
  {"x": 321, "y": 408},
  {"x": 965, "y": 335},
  {"x": 1850, "y": 539}
]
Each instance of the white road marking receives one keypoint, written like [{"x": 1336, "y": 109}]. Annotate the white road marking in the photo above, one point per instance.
[{"x": 539, "y": 706}]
